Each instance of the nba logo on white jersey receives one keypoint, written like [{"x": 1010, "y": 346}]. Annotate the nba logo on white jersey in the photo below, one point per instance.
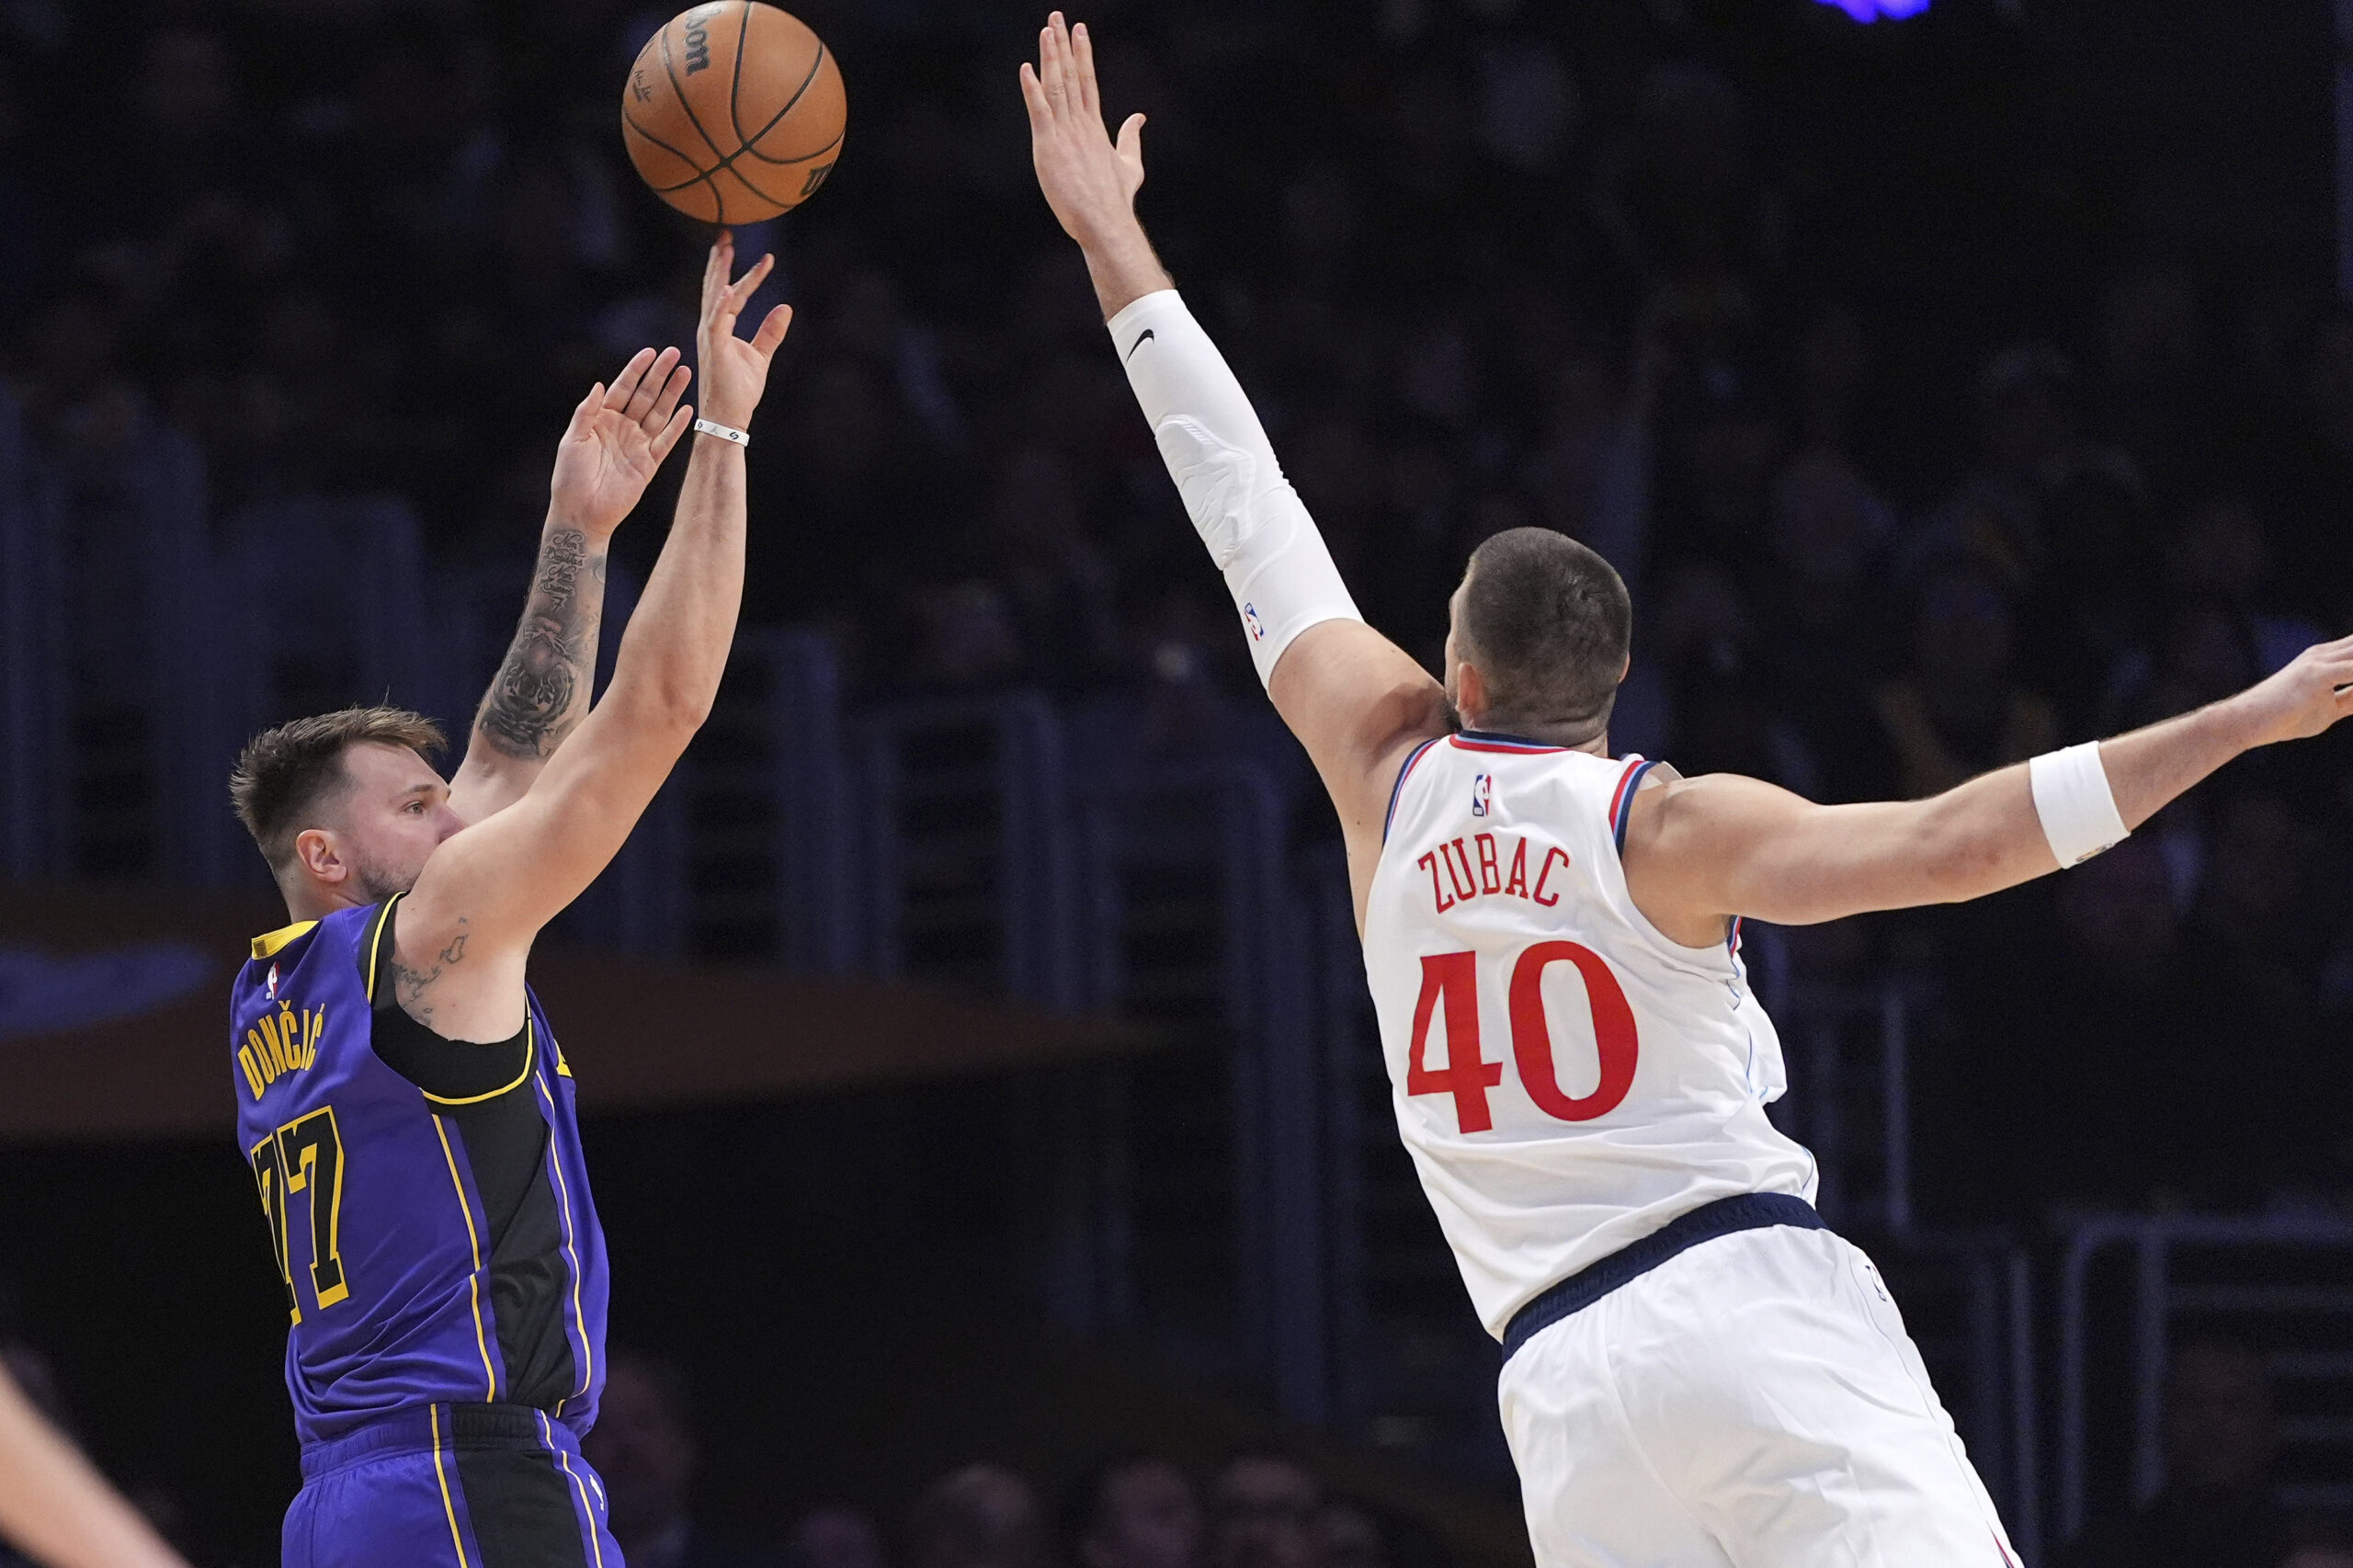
[
  {"x": 1483, "y": 788},
  {"x": 1250, "y": 619}
]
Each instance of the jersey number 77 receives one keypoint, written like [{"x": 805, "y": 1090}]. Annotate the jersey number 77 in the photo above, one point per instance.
[{"x": 1453, "y": 978}]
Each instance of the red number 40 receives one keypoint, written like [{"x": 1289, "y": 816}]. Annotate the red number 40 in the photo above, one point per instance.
[{"x": 1467, "y": 1075}]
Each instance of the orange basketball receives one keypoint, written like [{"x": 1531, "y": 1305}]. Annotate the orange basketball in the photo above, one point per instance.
[{"x": 734, "y": 112}]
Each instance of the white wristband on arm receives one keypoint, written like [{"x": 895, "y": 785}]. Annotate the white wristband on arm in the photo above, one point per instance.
[
  {"x": 724, "y": 432},
  {"x": 2078, "y": 809},
  {"x": 1257, "y": 528}
]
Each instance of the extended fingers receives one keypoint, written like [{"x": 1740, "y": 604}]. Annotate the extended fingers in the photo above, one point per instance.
[
  {"x": 771, "y": 334},
  {"x": 1083, "y": 52},
  {"x": 1033, "y": 95},
  {"x": 716, "y": 268},
  {"x": 624, "y": 387},
  {"x": 668, "y": 436},
  {"x": 583, "y": 412},
  {"x": 672, "y": 389},
  {"x": 740, "y": 292},
  {"x": 649, "y": 384},
  {"x": 1053, "y": 61}
]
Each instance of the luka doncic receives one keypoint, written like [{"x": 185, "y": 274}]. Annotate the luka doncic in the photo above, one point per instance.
[{"x": 404, "y": 1105}]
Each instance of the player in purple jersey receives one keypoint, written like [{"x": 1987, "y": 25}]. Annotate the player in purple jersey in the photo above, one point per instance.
[{"x": 404, "y": 1105}]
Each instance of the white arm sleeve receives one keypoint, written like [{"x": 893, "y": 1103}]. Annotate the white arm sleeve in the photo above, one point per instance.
[{"x": 1257, "y": 530}]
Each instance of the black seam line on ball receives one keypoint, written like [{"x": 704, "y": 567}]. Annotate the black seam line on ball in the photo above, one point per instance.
[
  {"x": 735, "y": 87},
  {"x": 684, "y": 102},
  {"x": 787, "y": 163},
  {"x": 778, "y": 118},
  {"x": 672, "y": 189},
  {"x": 727, "y": 165}
]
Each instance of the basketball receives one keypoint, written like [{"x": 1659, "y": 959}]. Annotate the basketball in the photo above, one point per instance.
[{"x": 734, "y": 112}]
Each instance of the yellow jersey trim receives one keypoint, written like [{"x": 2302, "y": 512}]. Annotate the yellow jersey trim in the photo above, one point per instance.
[
  {"x": 587, "y": 1508},
  {"x": 268, "y": 943},
  {"x": 572, "y": 1255},
  {"x": 531, "y": 1047},
  {"x": 375, "y": 936},
  {"x": 473, "y": 1241},
  {"x": 447, "y": 1507}
]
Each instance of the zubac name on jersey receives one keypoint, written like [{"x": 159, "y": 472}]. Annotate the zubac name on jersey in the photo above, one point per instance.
[
  {"x": 427, "y": 1205},
  {"x": 1637, "y": 1070}
]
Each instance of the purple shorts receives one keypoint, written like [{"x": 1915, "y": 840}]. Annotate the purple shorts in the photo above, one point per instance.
[{"x": 453, "y": 1486}]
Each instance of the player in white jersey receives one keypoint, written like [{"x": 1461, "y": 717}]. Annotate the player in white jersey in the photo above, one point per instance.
[{"x": 1696, "y": 1372}]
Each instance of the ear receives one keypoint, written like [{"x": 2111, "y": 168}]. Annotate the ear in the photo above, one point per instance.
[
  {"x": 316, "y": 851},
  {"x": 1470, "y": 694},
  {"x": 1625, "y": 667}
]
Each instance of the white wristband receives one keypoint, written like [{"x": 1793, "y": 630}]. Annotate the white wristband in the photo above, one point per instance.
[
  {"x": 2072, "y": 797},
  {"x": 724, "y": 432}
]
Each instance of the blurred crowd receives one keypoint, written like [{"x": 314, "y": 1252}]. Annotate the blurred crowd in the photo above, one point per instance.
[
  {"x": 1135, "y": 1509},
  {"x": 2219, "y": 1507},
  {"x": 1899, "y": 499}
]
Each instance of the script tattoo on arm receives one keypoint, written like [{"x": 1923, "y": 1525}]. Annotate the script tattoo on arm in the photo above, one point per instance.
[
  {"x": 542, "y": 691},
  {"x": 410, "y": 986}
]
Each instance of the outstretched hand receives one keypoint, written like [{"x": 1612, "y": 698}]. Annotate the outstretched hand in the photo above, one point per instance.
[
  {"x": 2313, "y": 692},
  {"x": 617, "y": 438},
  {"x": 1089, "y": 180},
  {"x": 735, "y": 369}
]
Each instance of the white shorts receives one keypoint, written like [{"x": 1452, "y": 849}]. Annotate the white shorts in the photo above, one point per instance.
[{"x": 1752, "y": 1401}]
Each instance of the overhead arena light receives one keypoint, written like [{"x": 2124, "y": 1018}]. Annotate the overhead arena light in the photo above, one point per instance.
[{"x": 1873, "y": 10}]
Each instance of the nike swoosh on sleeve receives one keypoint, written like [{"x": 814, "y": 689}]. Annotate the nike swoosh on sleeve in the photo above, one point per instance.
[{"x": 1138, "y": 342}]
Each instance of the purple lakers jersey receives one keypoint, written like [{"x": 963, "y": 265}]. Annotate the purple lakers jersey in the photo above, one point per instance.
[{"x": 428, "y": 1203}]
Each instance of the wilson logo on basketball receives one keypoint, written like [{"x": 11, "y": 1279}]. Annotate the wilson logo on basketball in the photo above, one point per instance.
[{"x": 734, "y": 112}]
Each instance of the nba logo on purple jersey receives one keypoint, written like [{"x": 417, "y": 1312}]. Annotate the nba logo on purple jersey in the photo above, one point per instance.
[{"x": 1483, "y": 791}]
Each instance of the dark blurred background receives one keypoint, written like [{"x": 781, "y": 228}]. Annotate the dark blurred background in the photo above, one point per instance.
[{"x": 1947, "y": 388}]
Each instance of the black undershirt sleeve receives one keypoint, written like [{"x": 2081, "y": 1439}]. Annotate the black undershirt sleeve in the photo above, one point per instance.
[{"x": 448, "y": 1070}]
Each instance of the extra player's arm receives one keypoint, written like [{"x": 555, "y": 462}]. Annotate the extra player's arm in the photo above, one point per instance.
[
  {"x": 466, "y": 928},
  {"x": 610, "y": 452},
  {"x": 1355, "y": 700},
  {"x": 55, "y": 1507},
  {"x": 1700, "y": 850}
]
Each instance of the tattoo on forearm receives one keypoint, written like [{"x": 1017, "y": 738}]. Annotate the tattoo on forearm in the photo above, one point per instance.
[
  {"x": 533, "y": 703},
  {"x": 410, "y": 985}
]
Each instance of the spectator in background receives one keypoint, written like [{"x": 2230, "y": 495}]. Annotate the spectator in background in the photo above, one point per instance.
[
  {"x": 2078, "y": 1053},
  {"x": 2321, "y": 1556},
  {"x": 1346, "y": 1537},
  {"x": 1958, "y": 710},
  {"x": 1263, "y": 1514},
  {"x": 644, "y": 1448},
  {"x": 982, "y": 1515},
  {"x": 2216, "y": 1510},
  {"x": 835, "y": 1537},
  {"x": 1135, "y": 1513},
  {"x": 2321, "y": 1544}
]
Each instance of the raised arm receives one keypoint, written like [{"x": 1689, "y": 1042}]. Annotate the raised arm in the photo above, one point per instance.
[
  {"x": 610, "y": 452},
  {"x": 1354, "y": 698},
  {"x": 464, "y": 931},
  {"x": 54, "y": 1505},
  {"x": 1699, "y": 851}
]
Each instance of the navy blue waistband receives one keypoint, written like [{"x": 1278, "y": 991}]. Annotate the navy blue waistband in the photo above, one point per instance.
[
  {"x": 420, "y": 1429},
  {"x": 1747, "y": 1211}
]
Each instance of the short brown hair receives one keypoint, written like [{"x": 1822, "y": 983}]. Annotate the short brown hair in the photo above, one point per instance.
[
  {"x": 283, "y": 774},
  {"x": 1549, "y": 621}
]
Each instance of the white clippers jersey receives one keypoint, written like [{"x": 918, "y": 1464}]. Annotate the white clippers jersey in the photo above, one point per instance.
[{"x": 1567, "y": 1079}]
